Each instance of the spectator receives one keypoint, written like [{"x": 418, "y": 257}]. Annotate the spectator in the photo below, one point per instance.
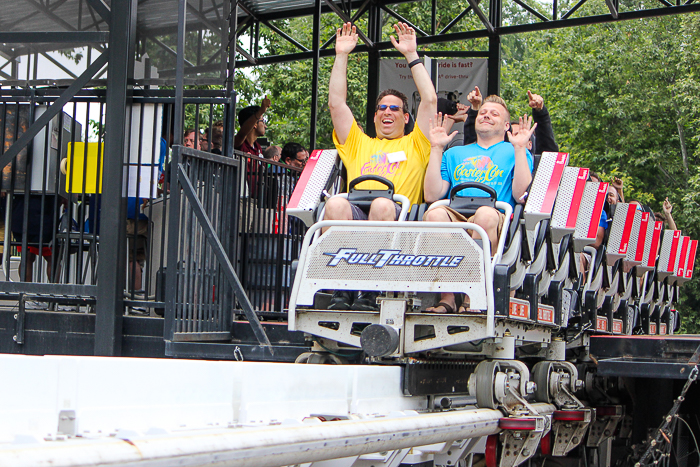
[
  {"x": 509, "y": 162},
  {"x": 190, "y": 140},
  {"x": 137, "y": 238},
  {"x": 617, "y": 184},
  {"x": 295, "y": 155},
  {"x": 272, "y": 153},
  {"x": 253, "y": 126},
  {"x": 400, "y": 158},
  {"x": 217, "y": 136}
]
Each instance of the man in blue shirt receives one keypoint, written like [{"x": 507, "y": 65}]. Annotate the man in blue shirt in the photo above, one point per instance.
[{"x": 504, "y": 166}]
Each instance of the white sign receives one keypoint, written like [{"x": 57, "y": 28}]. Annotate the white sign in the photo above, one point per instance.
[{"x": 456, "y": 78}]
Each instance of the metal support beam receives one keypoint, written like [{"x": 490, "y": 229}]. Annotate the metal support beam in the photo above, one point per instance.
[
  {"x": 174, "y": 206},
  {"x": 220, "y": 253},
  {"x": 488, "y": 24},
  {"x": 52, "y": 111},
  {"x": 102, "y": 9},
  {"x": 314, "y": 83},
  {"x": 374, "y": 28},
  {"x": 67, "y": 37},
  {"x": 111, "y": 276},
  {"x": 612, "y": 6},
  {"x": 404, "y": 20},
  {"x": 494, "y": 65},
  {"x": 346, "y": 19}
]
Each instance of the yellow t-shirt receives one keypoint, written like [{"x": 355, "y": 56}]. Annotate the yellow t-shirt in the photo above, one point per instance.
[{"x": 363, "y": 155}]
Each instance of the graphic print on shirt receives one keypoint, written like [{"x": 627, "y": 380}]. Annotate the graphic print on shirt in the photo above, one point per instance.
[
  {"x": 379, "y": 165},
  {"x": 478, "y": 169}
]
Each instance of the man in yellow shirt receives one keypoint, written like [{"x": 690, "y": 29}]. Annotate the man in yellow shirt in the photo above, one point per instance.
[{"x": 400, "y": 158}]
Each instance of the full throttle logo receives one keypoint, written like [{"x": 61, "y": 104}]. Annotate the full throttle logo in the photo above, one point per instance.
[{"x": 391, "y": 258}]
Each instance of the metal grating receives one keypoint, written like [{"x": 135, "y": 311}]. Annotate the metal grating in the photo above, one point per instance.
[
  {"x": 422, "y": 259},
  {"x": 565, "y": 203},
  {"x": 634, "y": 238},
  {"x": 618, "y": 241},
  {"x": 589, "y": 214},
  {"x": 667, "y": 256},
  {"x": 544, "y": 188}
]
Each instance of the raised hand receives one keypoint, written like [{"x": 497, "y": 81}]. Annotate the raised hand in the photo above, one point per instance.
[
  {"x": 266, "y": 103},
  {"x": 475, "y": 98},
  {"x": 345, "y": 39},
  {"x": 617, "y": 184},
  {"x": 406, "y": 43},
  {"x": 525, "y": 131},
  {"x": 668, "y": 207},
  {"x": 438, "y": 131},
  {"x": 461, "y": 115},
  {"x": 535, "y": 101}
]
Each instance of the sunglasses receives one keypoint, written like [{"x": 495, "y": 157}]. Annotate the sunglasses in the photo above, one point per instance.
[{"x": 393, "y": 108}]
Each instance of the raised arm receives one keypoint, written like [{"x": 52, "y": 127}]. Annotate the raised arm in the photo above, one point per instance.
[
  {"x": 544, "y": 136},
  {"x": 474, "y": 99},
  {"x": 341, "y": 115},
  {"x": 522, "y": 177},
  {"x": 668, "y": 207},
  {"x": 248, "y": 125},
  {"x": 435, "y": 187},
  {"x": 406, "y": 44}
]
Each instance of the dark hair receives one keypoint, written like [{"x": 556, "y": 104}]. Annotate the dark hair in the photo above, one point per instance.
[
  {"x": 395, "y": 93},
  {"x": 246, "y": 113},
  {"x": 187, "y": 132},
  {"x": 290, "y": 150}
]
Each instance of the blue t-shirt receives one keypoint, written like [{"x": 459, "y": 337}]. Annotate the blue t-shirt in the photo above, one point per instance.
[{"x": 493, "y": 167}]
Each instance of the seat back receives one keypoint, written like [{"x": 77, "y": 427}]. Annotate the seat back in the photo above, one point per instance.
[{"x": 319, "y": 173}]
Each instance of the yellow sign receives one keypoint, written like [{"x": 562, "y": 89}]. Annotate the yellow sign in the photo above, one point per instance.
[{"x": 82, "y": 165}]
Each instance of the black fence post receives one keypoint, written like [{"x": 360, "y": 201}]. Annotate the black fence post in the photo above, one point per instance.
[{"x": 112, "y": 271}]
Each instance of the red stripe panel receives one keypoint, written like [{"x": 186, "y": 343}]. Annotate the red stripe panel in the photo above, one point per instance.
[
  {"x": 691, "y": 260},
  {"x": 641, "y": 240},
  {"x": 680, "y": 268},
  {"x": 597, "y": 210},
  {"x": 304, "y": 179},
  {"x": 629, "y": 220},
  {"x": 654, "y": 249},
  {"x": 551, "y": 195},
  {"x": 576, "y": 200},
  {"x": 672, "y": 256}
]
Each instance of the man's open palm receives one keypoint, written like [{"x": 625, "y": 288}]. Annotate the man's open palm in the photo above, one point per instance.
[{"x": 345, "y": 39}]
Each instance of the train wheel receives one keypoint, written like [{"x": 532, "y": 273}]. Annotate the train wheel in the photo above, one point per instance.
[
  {"x": 485, "y": 375},
  {"x": 541, "y": 373}
]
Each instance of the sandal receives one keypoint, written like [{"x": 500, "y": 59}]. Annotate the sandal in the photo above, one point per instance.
[
  {"x": 448, "y": 309},
  {"x": 464, "y": 307}
]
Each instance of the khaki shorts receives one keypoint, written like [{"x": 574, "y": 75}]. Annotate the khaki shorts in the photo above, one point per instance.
[{"x": 457, "y": 217}]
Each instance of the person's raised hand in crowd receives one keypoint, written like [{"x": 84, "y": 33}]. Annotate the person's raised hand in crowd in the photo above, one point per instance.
[
  {"x": 438, "y": 131},
  {"x": 535, "y": 101},
  {"x": 617, "y": 184},
  {"x": 406, "y": 42},
  {"x": 460, "y": 115},
  {"x": 668, "y": 207},
  {"x": 345, "y": 39},
  {"x": 521, "y": 136},
  {"x": 265, "y": 104},
  {"x": 475, "y": 98}
]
